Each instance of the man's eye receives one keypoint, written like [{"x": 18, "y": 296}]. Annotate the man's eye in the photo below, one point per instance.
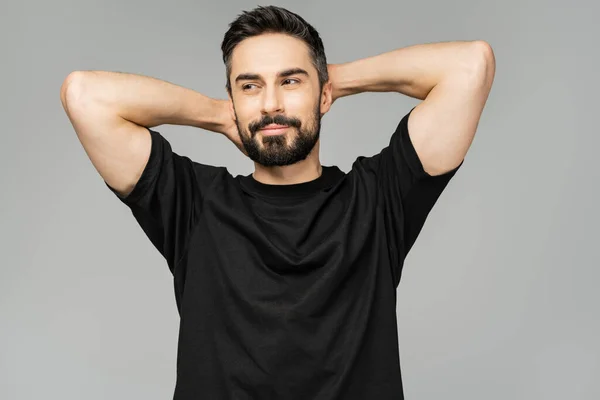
[{"x": 249, "y": 85}]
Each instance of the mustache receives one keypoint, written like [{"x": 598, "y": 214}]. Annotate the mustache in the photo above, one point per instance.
[{"x": 277, "y": 119}]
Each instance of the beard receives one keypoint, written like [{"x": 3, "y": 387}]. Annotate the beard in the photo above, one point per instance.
[{"x": 275, "y": 151}]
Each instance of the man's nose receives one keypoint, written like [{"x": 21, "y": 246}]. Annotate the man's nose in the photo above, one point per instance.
[{"x": 272, "y": 102}]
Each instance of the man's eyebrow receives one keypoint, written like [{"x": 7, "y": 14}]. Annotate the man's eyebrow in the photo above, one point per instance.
[{"x": 283, "y": 74}]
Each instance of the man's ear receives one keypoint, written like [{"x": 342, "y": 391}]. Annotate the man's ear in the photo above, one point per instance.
[{"x": 326, "y": 97}]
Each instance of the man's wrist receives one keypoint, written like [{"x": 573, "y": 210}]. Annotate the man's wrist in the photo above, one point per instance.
[
  {"x": 210, "y": 114},
  {"x": 346, "y": 79}
]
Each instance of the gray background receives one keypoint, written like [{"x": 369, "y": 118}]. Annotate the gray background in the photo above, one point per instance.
[{"x": 498, "y": 298}]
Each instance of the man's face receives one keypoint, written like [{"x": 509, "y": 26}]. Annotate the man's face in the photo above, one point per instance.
[{"x": 273, "y": 83}]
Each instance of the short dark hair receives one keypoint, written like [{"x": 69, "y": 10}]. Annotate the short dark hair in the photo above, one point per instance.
[{"x": 273, "y": 19}]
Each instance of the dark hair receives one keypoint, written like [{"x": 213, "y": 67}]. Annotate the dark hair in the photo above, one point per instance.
[{"x": 273, "y": 19}]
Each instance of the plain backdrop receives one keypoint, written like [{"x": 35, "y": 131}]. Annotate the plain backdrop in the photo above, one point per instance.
[{"x": 499, "y": 296}]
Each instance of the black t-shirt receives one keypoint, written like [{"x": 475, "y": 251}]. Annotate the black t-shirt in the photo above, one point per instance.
[{"x": 286, "y": 291}]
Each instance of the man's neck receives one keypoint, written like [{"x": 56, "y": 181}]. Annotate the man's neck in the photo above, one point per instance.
[{"x": 306, "y": 170}]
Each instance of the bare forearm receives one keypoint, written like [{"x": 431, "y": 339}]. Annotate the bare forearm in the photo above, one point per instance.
[
  {"x": 412, "y": 71},
  {"x": 148, "y": 101}
]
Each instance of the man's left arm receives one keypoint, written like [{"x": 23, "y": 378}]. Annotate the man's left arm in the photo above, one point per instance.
[{"x": 453, "y": 79}]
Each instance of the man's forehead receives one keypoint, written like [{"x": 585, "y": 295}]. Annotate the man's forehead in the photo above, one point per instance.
[{"x": 269, "y": 55}]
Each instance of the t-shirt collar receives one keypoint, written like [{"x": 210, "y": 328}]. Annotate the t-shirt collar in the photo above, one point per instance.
[{"x": 330, "y": 175}]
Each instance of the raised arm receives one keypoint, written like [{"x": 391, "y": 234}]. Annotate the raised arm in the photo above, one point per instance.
[
  {"x": 452, "y": 78},
  {"x": 112, "y": 111}
]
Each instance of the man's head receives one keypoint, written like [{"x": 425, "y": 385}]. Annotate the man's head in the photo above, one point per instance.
[{"x": 276, "y": 75}]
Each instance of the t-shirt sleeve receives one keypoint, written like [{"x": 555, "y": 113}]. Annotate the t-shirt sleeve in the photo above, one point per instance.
[
  {"x": 166, "y": 200},
  {"x": 407, "y": 193}
]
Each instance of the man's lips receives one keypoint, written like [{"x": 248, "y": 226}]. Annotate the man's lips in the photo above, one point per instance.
[{"x": 274, "y": 129}]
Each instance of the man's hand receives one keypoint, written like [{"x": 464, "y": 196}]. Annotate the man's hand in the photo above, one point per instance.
[
  {"x": 228, "y": 127},
  {"x": 332, "y": 71}
]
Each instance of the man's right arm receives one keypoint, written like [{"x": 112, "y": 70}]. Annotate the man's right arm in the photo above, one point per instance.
[{"x": 112, "y": 111}]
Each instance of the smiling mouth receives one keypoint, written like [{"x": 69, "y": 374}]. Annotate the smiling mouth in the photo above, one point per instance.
[{"x": 274, "y": 130}]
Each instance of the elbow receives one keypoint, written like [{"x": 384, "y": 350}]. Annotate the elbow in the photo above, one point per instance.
[
  {"x": 70, "y": 90},
  {"x": 476, "y": 60},
  {"x": 478, "y": 63},
  {"x": 65, "y": 88},
  {"x": 483, "y": 58}
]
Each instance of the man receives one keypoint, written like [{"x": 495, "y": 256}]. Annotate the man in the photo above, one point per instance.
[{"x": 285, "y": 279}]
